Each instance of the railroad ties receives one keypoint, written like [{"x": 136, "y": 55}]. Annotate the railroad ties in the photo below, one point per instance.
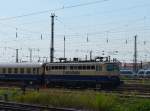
[
  {"x": 12, "y": 106},
  {"x": 133, "y": 90}
]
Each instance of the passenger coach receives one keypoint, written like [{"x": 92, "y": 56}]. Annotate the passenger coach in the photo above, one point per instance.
[{"x": 21, "y": 72}]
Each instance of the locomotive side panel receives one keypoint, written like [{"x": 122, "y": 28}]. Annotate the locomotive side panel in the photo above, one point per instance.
[
  {"x": 79, "y": 74},
  {"x": 82, "y": 69}
]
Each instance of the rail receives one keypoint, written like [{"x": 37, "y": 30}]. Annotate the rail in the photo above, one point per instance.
[{"x": 12, "y": 106}]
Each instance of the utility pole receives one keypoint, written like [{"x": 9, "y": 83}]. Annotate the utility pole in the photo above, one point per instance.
[
  {"x": 135, "y": 53},
  {"x": 30, "y": 50},
  {"x": 86, "y": 57},
  {"x": 52, "y": 38},
  {"x": 16, "y": 33},
  {"x": 17, "y": 60},
  {"x": 91, "y": 55},
  {"x": 64, "y": 46}
]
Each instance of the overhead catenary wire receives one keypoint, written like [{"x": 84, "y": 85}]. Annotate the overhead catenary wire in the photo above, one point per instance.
[
  {"x": 76, "y": 34},
  {"x": 119, "y": 30},
  {"x": 54, "y": 10}
]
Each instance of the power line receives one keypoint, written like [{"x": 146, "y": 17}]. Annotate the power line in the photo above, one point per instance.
[
  {"x": 111, "y": 11},
  {"x": 54, "y": 10}
]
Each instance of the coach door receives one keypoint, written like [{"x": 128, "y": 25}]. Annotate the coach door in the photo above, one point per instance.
[
  {"x": 98, "y": 68},
  {"x": 35, "y": 70}
]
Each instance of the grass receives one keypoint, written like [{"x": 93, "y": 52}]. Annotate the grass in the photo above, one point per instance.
[{"x": 87, "y": 100}]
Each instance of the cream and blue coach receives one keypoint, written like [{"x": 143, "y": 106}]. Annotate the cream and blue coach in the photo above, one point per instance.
[{"x": 22, "y": 72}]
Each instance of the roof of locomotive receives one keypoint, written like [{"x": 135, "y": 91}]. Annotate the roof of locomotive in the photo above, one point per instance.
[
  {"x": 75, "y": 63},
  {"x": 21, "y": 65}
]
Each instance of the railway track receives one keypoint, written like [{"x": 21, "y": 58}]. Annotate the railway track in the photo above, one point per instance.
[
  {"x": 11, "y": 106},
  {"x": 134, "y": 87},
  {"x": 125, "y": 90},
  {"x": 130, "y": 90}
]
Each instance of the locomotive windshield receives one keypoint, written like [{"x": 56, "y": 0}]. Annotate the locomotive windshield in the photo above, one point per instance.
[{"x": 112, "y": 67}]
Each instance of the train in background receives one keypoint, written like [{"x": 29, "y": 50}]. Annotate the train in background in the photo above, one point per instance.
[{"x": 100, "y": 73}]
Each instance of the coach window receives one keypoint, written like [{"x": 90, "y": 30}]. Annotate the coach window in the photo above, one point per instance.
[
  {"x": 79, "y": 67},
  {"x": 28, "y": 70},
  {"x": 4, "y": 70},
  {"x": 9, "y": 70},
  {"x": 75, "y": 67},
  {"x": 71, "y": 67},
  {"x": 22, "y": 70},
  {"x": 34, "y": 70},
  {"x": 84, "y": 67},
  {"x": 88, "y": 67},
  {"x": 63, "y": 67},
  {"x": 59, "y": 67},
  {"x": 37, "y": 70},
  {"x": 93, "y": 67},
  {"x": 16, "y": 70},
  {"x": 56, "y": 67},
  {"x": 98, "y": 68}
]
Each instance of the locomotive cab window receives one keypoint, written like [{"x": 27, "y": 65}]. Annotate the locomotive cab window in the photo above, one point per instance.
[
  {"x": 116, "y": 67},
  {"x": 110, "y": 67}
]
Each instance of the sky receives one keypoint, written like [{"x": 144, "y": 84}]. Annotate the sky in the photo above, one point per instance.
[{"x": 105, "y": 27}]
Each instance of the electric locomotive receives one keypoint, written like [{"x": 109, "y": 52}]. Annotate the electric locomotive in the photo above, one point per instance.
[{"x": 99, "y": 74}]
